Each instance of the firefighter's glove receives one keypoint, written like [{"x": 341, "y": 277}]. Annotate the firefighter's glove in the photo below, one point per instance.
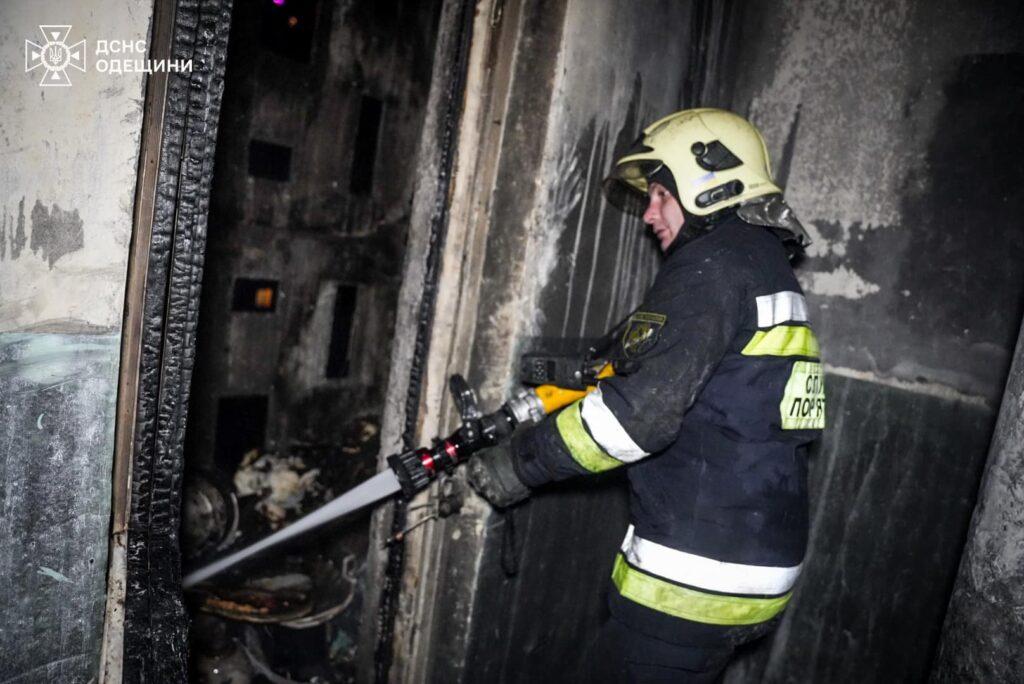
[{"x": 493, "y": 476}]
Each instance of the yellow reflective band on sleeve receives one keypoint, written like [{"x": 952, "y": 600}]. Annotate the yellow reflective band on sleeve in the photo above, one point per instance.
[
  {"x": 803, "y": 402},
  {"x": 783, "y": 340},
  {"x": 690, "y": 604},
  {"x": 582, "y": 446}
]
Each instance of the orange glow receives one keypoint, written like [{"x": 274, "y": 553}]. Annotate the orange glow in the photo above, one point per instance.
[{"x": 264, "y": 298}]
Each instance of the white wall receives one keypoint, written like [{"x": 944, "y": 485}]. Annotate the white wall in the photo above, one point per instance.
[{"x": 68, "y": 172}]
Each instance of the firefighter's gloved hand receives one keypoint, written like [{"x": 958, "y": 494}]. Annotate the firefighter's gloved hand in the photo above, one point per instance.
[{"x": 493, "y": 476}]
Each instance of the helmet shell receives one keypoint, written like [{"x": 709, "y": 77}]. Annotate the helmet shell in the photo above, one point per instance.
[{"x": 717, "y": 158}]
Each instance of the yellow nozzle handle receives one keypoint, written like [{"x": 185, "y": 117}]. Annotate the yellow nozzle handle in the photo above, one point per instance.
[{"x": 553, "y": 397}]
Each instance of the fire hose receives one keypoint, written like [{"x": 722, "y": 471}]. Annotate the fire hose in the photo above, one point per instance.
[{"x": 414, "y": 470}]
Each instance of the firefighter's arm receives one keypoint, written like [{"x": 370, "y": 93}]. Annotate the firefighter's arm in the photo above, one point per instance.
[{"x": 630, "y": 417}]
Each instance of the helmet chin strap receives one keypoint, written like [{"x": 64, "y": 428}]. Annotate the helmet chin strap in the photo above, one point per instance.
[
  {"x": 696, "y": 226},
  {"x": 705, "y": 224},
  {"x": 693, "y": 227}
]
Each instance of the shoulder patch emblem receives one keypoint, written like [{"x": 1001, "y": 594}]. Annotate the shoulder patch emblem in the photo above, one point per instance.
[{"x": 642, "y": 333}]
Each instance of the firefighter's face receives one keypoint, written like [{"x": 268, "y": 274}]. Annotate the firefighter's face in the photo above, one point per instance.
[{"x": 663, "y": 215}]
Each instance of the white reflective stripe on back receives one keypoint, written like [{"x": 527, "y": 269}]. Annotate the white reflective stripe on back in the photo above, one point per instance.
[
  {"x": 780, "y": 307},
  {"x": 706, "y": 573},
  {"x": 607, "y": 431}
]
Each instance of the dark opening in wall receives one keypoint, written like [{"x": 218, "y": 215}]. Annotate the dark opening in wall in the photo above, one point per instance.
[
  {"x": 241, "y": 427},
  {"x": 341, "y": 329},
  {"x": 254, "y": 295},
  {"x": 365, "y": 154},
  {"x": 269, "y": 160},
  {"x": 292, "y": 89},
  {"x": 288, "y": 27}
]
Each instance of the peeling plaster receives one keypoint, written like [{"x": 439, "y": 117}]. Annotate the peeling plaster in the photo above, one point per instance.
[
  {"x": 549, "y": 220},
  {"x": 571, "y": 187},
  {"x": 839, "y": 282},
  {"x": 544, "y": 227}
]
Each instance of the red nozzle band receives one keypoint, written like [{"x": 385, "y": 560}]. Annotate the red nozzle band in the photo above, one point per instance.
[
  {"x": 427, "y": 459},
  {"x": 452, "y": 451}
]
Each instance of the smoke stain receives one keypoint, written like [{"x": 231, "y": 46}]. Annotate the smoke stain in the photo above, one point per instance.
[
  {"x": 18, "y": 240},
  {"x": 55, "y": 232}
]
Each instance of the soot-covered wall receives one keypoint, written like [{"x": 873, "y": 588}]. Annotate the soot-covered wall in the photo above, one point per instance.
[
  {"x": 322, "y": 112},
  {"x": 311, "y": 192},
  {"x": 895, "y": 129},
  {"x": 564, "y": 264}
]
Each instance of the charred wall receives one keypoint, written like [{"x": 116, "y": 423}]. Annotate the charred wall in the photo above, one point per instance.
[{"x": 892, "y": 127}]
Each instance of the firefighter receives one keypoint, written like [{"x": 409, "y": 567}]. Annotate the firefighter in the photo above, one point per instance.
[{"x": 718, "y": 389}]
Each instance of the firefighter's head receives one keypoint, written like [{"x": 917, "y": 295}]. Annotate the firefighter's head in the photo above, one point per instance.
[
  {"x": 709, "y": 160},
  {"x": 663, "y": 214}
]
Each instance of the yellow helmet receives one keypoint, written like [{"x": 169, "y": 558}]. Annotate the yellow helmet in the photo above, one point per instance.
[{"x": 716, "y": 159}]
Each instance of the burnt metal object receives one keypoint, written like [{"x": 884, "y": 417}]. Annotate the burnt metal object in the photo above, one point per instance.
[
  {"x": 265, "y": 601},
  {"x": 210, "y": 514}
]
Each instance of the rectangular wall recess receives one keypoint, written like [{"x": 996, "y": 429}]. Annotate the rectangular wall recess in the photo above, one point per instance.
[
  {"x": 241, "y": 427},
  {"x": 270, "y": 160},
  {"x": 341, "y": 331},
  {"x": 364, "y": 154}
]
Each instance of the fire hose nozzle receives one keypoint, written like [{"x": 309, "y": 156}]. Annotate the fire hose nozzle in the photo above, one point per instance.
[{"x": 411, "y": 470}]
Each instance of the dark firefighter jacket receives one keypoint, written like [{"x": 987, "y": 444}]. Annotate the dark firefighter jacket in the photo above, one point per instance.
[{"x": 725, "y": 392}]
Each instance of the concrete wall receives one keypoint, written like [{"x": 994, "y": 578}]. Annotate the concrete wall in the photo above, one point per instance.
[
  {"x": 982, "y": 633},
  {"x": 894, "y": 126},
  {"x": 67, "y": 182}
]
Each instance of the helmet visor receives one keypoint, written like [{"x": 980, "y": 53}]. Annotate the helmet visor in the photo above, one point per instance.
[{"x": 626, "y": 187}]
